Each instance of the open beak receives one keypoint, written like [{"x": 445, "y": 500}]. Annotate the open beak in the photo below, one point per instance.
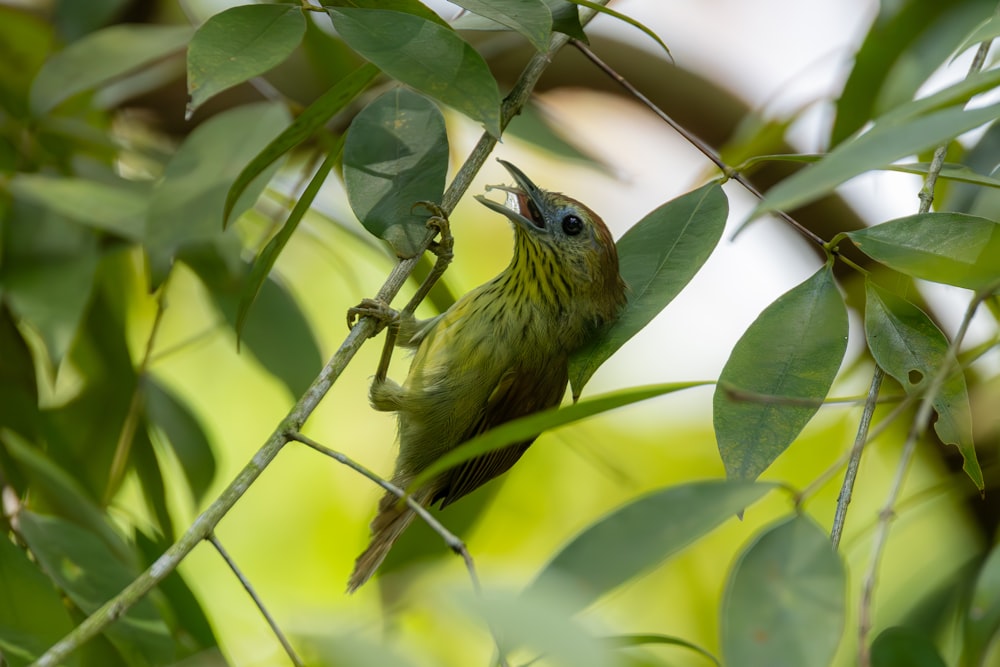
[{"x": 524, "y": 204}]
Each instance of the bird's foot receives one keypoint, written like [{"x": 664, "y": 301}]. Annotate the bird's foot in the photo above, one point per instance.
[
  {"x": 379, "y": 311},
  {"x": 444, "y": 246}
]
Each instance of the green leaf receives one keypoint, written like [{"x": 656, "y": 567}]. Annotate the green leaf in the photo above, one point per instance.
[
  {"x": 25, "y": 44},
  {"x": 238, "y": 44},
  {"x": 531, "y": 18},
  {"x": 566, "y": 19},
  {"x": 119, "y": 209},
  {"x": 952, "y": 248},
  {"x": 602, "y": 9},
  {"x": 426, "y": 56},
  {"x": 658, "y": 257},
  {"x": 396, "y": 154},
  {"x": 988, "y": 29},
  {"x": 182, "y": 433},
  {"x": 909, "y": 347},
  {"x": 415, "y": 7},
  {"x": 955, "y": 95},
  {"x": 303, "y": 127},
  {"x": 102, "y": 57},
  {"x": 778, "y": 374},
  {"x": 904, "y": 647},
  {"x": 88, "y": 572},
  {"x": 877, "y": 148},
  {"x": 32, "y": 616},
  {"x": 527, "y": 428},
  {"x": 349, "y": 650},
  {"x": 981, "y": 623},
  {"x": 784, "y": 603},
  {"x": 950, "y": 171},
  {"x": 639, "y": 536},
  {"x": 143, "y": 460},
  {"x": 626, "y": 641},
  {"x": 262, "y": 266},
  {"x": 187, "y": 204}
]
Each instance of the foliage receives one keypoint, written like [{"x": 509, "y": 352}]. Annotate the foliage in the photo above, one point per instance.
[{"x": 105, "y": 220}]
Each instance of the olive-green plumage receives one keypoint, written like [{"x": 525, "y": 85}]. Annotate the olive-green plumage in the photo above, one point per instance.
[{"x": 499, "y": 353}]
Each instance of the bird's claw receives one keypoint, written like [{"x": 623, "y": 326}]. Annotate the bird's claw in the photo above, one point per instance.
[
  {"x": 444, "y": 247},
  {"x": 379, "y": 311}
]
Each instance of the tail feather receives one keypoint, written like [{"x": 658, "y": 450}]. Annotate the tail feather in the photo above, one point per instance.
[{"x": 392, "y": 519}]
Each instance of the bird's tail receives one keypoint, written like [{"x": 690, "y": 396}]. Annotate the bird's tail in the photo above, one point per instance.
[{"x": 389, "y": 523}]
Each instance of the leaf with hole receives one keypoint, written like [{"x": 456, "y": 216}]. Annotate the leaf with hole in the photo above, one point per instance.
[
  {"x": 778, "y": 374},
  {"x": 785, "y": 601},
  {"x": 396, "y": 154},
  {"x": 426, "y": 56},
  {"x": 951, "y": 248},
  {"x": 658, "y": 257},
  {"x": 907, "y": 345},
  {"x": 642, "y": 534},
  {"x": 238, "y": 44}
]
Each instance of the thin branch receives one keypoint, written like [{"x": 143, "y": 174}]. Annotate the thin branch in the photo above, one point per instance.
[
  {"x": 206, "y": 522},
  {"x": 256, "y": 600},
  {"x": 450, "y": 539},
  {"x": 703, "y": 147}
]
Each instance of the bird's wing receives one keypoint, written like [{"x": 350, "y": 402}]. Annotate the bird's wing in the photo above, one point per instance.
[{"x": 517, "y": 394}]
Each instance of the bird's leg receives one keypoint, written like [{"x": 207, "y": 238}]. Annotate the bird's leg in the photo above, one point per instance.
[{"x": 443, "y": 248}]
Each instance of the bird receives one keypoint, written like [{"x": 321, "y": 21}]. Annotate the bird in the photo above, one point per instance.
[{"x": 498, "y": 353}]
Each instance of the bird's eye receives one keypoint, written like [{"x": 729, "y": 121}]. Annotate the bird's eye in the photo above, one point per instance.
[{"x": 572, "y": 225}]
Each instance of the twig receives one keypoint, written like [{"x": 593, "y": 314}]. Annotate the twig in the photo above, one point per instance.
[
  {"x": 256, "y": 600},
  {"x": 206, "y": 522},
  {"x": 705, "y": 149},
  {"x": 450, "y": 539}
]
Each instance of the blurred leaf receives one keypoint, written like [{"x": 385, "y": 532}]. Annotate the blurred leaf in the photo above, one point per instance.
[
  {"x": 955, "y": 95},
  {"x": 877, "y": 148},
  {"x": 89, "y": 573},
  {"x": 531, "y": 18},
  {"x": 541, "y": 128},
  {"x": 51, "y": 297},
  {"x": 18, "y": 383},
  {"x": 426, "y": 56},
  {"x": 981, "y": 623},
  {"x": 396, "y": 154},
  {"x": 118, "y": 209},
  {"x": 32, "y": 616},
  {"x": 188, "y": 622},
  {"x": 143, "y": 460},
  {"x": 982, "y": 157},
  {"x": 639, "y": 536},
  {"x": 238, "y": 44},
  {"x": 25, "y": 44},
  {"x": 543, "y": 623},
  {"x": 187, "y": 204},
  {"x": 658, "y": 257},
  {"x": 626, "y": 641},
  {"x": 909, "y": 347},
  {"x": 789, "y": 355},
  {"x": 62, "y": 493},
  {"x": 264, "y": 262},
  {"x": 952, "y": 248},
  {"x": 353, "y": 650},
  {"x": 183, "y": 434},
  {"x": 527, "y": 428},
  {"x": 101, "y": 57},
  {"x": 784, "y": 603},
  {"x": 954, "y": 172},
  {"x": 988, "y": 29},
  {"x": 904, "y": 647},
  {"x": 304, "y": 126},
  {"x": 73, "y": 20},
  {"x": 624, "y": 18}
]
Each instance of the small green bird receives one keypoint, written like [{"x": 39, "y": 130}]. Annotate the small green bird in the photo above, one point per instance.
[{"x": 499, "y": 353}]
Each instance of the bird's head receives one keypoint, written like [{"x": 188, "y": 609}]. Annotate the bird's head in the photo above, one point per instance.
[{"x": 557, "y": 234}]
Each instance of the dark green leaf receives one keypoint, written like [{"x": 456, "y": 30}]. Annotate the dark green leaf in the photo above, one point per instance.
[
  {"x": 303, "y": 127},
  {"x": 658, "y": 257},
  {"x": 187, "y": 204},
  {"x": 25, "y": 45},
  {"x": 415, "y": 7},
  {"x": 527, "y": 428},
  {"x": 566, "y": 19},
  {"x": 981, "y": 623},
  {"x": 262, "y": 266},
  {"x": 102, "y": 57},
  {"x": 32, "y": 616},
  {"x": 909, "y": 347},
  {"x": 146, "y": 465},
  {"x": 119, "y": 209},
  {"x": 183, "y": 434},
  {"x": 88, "y": 572},
  {"x": 904, "y": 647},
  {"x": 426, "y": 56},
  {"x": 238, "y": 44},
  {"x": 785, "y": 601},
  {"x": 642, "y": 534},
  {"x": 877, "y": 148},
  {"x": 396, "y": 154},
  {"x": 951, "y": 248},
  {"x": 531, "y": 18},
  {"x": 778, "y": 375}
]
